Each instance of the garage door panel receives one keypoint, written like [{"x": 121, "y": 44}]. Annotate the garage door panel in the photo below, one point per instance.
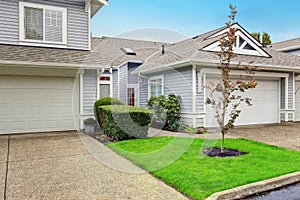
[
  {"x": 36, "y": 104},
  {"x": 265, "y": 108}
]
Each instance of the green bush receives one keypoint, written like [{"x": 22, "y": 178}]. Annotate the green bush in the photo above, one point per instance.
[
  {"x": 167, "y": 111},
  {"x": 125, "y": 122},
  {"x": 105, "y": 101}
]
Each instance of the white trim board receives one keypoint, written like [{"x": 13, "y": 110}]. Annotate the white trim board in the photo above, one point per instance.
[{"x": 236, "y": 72}]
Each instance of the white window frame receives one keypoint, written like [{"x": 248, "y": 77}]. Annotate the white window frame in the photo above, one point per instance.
[
  {"x": 43, "y": 42},
  {"x": 160, "y": 77},
  {"x": 102, "y": 82}
]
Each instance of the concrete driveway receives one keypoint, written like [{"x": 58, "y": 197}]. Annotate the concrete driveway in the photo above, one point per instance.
[
  {"x": 71, "y": 166},
  {"x": 285, "y": 135}
]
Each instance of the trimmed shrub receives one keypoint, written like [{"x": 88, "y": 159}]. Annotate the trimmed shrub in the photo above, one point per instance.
[
  {"x": 167, "y": 111},
  {"x": 105, "y": 101},
  {"x": 122, "y": 122}
]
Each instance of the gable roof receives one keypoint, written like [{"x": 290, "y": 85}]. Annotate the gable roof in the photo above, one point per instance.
[
  {"x": 287, "y": 45},
  {"x": 192, "y": 52}
]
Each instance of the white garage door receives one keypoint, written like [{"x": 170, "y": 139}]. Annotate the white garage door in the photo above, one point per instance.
[
  {"x": 35, "y": 104},
  {"x": 265, "y": 108},
  {"x": 297, "y": 102}
]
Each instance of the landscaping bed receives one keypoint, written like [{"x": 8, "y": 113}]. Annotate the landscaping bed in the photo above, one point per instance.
[{"x": 180, "y": 162}]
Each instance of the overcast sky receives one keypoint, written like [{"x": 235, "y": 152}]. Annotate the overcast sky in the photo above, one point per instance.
[{"x": 173, "y": 20}]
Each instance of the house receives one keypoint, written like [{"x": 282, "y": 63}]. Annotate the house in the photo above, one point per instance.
[
  {"x": 52, "y": 70},
  {"x": 44, "y": 45},
  {"x": 185, "y": 67}
]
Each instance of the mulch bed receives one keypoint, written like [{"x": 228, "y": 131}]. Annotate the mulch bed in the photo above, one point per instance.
[{"x": 216, "y": 152}]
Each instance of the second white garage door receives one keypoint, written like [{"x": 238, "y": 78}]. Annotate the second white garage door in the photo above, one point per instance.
[
  {"x": 265, "y": 108},
  {"x": 36, "y": 104}
]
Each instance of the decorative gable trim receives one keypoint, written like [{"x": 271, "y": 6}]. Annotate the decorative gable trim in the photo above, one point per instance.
[
  {"x": 244, "y": 45},
  {"x": 237, "y": 27}
]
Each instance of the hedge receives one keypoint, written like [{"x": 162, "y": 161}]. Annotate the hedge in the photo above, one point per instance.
[
  {"x": 125, "y": 122},
  {"x": 105, "y": 101}
]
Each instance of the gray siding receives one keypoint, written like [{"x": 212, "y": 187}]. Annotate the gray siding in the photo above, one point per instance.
[
  {"x": 89, "y": 90},
  {"x": 179, "y": 82},
  {"x": 9, "y": 22},
  {"x": 291, "y": 91},
  {"x": 123, "y": 71},
  {"x": 282, "y": 93},
  {"x": 143, "y": 92},
  {"x": 115, "y": 83},
  {"x": 78, "y": 33},
  {"x": 132, "y": 78},
  {"x": 200, "y": 94}
]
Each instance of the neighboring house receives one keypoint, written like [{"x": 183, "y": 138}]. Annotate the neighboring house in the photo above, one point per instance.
[
  {"x": 44, "y": 44},
  {"x": 185, "y": 67}
]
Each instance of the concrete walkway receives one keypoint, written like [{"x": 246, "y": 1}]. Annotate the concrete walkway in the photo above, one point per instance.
[{"x": 72, "y": 166}]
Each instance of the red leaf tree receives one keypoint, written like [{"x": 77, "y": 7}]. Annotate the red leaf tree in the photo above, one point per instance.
[{"x": 225, "y": 97}]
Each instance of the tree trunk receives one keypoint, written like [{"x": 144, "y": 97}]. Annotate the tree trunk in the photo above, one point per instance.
[{"x": 222, "y": 143}]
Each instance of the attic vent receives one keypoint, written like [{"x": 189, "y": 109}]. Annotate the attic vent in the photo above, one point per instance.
[{"x": 128, "y": 51}]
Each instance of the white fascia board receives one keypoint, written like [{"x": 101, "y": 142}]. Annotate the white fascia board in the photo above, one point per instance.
[
  {"x": 47, "y": 64},
  {"x": 289, "y": 48},
  {"x": 257, "y": 73},
  {"x": 215, "y": 63}
]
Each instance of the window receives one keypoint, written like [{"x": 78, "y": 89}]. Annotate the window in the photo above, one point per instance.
[
  {"x": 130, "y": 96},
  {"x": 43, "y": 24},
  {"x": 105, "y": 86},
  {"x": 104, "y": 90},
  {"x": 156, "y": 86}
]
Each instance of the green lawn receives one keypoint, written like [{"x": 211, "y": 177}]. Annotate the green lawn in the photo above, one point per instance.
[{"x": 178, "y": 162}]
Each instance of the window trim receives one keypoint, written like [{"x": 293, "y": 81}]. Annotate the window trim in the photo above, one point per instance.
[
  {"x": 24, "y": 41},
  {"x": 102, "y": 82},
  {"x": 159, "y": 77}
]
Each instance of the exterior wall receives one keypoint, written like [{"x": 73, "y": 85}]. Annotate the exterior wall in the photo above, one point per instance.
[
  {"x": 282, "y": 93},
  {"x": 78, "y": 22},
  {"x": 200, "y": 92},
  {"x": 291, "y": 91},
  {"x": 179, "y": 82},
  {"x": 115, "y": 84},
  {"x": 123, "y": 72},
  {"x": 133, "y": 78},
  {"x": 143, "y": 91},
  {"x": 89, "y": 91}
]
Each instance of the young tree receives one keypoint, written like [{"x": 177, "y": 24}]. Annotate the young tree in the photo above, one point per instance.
[{"x": 225, "y": 97}]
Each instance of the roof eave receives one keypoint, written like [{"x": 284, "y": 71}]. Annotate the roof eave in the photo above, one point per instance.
[
  {"x": 289, "y": 48},
  {"x": 214, "y": 63},
  {"x": 47, "y": 64},
  {"x": 96, "y": 5}
]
